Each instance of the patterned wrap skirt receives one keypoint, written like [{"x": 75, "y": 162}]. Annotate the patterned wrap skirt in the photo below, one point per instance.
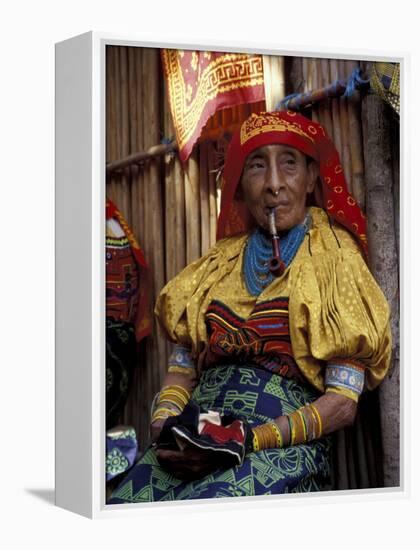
[{"x": 258, "y": 396}]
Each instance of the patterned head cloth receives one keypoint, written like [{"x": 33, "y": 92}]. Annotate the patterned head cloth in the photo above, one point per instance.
[{"x": 309, "y": 137}]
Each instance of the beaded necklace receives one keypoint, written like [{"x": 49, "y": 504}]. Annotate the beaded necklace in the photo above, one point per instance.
[{"x": 258, "y": 252}]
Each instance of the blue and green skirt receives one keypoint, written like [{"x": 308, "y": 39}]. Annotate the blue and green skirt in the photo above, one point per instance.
[{"x": 258, "y": 396}]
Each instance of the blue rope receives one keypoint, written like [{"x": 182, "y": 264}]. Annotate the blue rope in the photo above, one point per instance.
[
  {"x": 335, "y": 86},
  {"x": 284, "y": 103},
  {"x": 355, "y": 82},
  {"x": 167, "y": 140}
]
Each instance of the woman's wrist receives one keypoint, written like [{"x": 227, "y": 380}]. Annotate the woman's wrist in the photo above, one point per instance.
[
  {"x": 267, "y": 436},
  {"x": 170, "y": 402},
  {"x": 301, "y": 426}
]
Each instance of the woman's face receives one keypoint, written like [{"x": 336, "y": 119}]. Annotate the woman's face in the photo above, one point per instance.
[{"x": 277, "y": 176}]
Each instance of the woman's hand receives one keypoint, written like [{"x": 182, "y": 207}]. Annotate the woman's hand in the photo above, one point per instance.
[
  {"x": 155, "y": 429},
  {"x": 189, "y": 464}
]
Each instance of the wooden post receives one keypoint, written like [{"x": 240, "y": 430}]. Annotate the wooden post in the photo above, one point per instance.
[
  {"x": 395, "y": 128},
  {"x": 384, "y": 265}
]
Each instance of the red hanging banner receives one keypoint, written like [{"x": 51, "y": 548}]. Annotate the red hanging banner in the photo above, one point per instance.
[{"x": 199, "y": 83}]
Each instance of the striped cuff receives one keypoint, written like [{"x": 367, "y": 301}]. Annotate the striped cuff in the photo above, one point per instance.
[
  {"x": 181, "y": 358},
  {"x": 345, "y": 377}
]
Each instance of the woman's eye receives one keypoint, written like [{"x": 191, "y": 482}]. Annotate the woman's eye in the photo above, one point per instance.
[
  {"x": 256, "y": 164},
  {"x": 290, "y": 162}
]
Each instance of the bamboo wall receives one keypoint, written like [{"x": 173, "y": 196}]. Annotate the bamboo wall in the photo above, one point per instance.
[
  {"x": 134, "y": 115},
  {"x": 173, "y": 209}
]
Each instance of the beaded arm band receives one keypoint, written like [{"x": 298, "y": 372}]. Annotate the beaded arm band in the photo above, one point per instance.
[
  {"x": 344, "y": 377},
  {"x": 181, "y": 361}
]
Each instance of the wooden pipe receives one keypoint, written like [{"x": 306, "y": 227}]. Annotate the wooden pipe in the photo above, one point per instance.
[{"x": 276, "y": 264}]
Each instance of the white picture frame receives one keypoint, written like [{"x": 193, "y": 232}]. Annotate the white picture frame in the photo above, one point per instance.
[{"x": 80, "y": 279}]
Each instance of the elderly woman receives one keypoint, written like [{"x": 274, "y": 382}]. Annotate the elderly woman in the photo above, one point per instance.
[{"x": 278, "y": 328}]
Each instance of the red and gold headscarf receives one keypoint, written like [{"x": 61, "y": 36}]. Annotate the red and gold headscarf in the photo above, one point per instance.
[{"x": 309, "y": 137}]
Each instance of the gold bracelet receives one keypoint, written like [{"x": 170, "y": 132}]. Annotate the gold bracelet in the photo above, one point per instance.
[
  {"x": 292, "y": 430},
  {"x": 298, "y": 428},
  {"x": 303, "y": 420},
  {"x": 267, "y": 436},
  {"x": 278, "y": 434},
  {"x": 176, "y": 395},
  {"x": 162, "y": 413},
  {"x": 314, "y": 423},
  {"x": 318, "y": 418},
  {"x": 255, "y": 442},
  {"x": 171, "y": 392}
]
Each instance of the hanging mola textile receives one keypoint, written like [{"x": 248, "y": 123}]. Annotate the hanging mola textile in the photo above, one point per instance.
[
  {"x": 200, "y": 83},
  {"x": 128, "y": 318}
]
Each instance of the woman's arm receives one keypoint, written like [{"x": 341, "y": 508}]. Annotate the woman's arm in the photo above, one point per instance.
[
  {"x": 178, "y": 385},
  {"x": 335, "y": 412}
]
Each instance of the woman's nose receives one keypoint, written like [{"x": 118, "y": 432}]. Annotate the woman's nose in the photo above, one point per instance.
[{"x": 275, "y": 180}]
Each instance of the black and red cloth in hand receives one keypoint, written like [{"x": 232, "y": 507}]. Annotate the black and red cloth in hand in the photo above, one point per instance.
[{"x": 223, "y": 439}]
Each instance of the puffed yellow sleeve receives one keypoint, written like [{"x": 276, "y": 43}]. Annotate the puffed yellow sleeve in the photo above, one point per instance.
[
  {"x": 338, "y": 314},
  {"x": 183, "y": 302}
]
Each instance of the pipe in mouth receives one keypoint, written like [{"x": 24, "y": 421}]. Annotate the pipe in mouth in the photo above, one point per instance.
[{"x": 272, "y": 222}]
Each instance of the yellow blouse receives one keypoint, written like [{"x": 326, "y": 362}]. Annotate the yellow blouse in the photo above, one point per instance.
[{"x": 336, "y": 308}]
